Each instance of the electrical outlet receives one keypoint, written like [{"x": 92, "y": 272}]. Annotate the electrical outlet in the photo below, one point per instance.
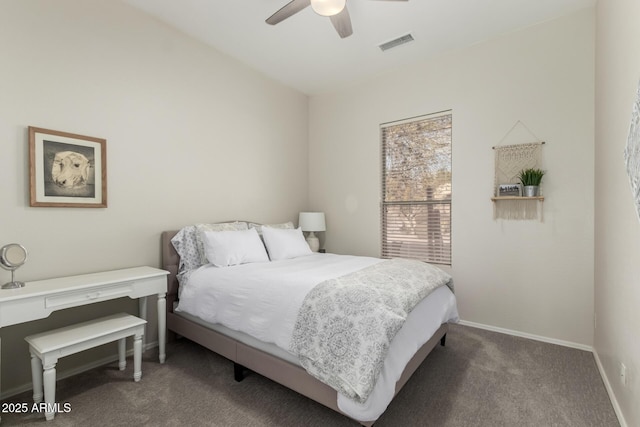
[{"x": 623, "y": 374}]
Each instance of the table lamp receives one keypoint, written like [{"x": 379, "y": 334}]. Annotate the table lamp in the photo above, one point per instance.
[{"x": 312, "y": 222}]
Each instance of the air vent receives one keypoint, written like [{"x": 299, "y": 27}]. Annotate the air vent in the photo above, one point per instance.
[{"x": 396, "y": 42}]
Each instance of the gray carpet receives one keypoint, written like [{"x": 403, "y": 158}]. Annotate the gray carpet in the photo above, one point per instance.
[{"x": 480, "y": 378}]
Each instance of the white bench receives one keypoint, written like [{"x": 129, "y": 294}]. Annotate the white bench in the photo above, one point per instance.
[{"x": 47, "y": 347}]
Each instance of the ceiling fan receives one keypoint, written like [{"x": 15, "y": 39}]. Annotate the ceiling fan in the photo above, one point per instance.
[{"x": 336, "y": 10}]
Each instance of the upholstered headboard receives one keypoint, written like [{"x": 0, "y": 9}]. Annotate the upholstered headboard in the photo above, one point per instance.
[{"x": 170, "y": 262}]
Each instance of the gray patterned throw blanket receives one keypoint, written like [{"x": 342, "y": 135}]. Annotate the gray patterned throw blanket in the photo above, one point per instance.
[{"x": 345, "y": 325}]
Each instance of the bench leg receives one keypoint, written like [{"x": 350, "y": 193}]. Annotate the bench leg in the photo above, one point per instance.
[
  {"x": 49, "y": 377},
  {"x": 36, "y": 377},
  {"x": 137, "y": 357},
  {"x": 122, "y": 353}
]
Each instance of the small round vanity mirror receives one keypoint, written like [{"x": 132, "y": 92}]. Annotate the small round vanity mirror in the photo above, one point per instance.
[{"x": 12, "y": 256}]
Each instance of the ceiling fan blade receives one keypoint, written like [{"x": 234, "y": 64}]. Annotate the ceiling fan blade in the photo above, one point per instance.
[
  {"x": 342, "y": 23},
  {"x": 289, "y": 9}
]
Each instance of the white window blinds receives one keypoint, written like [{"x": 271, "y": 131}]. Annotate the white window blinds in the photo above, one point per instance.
[{"x": 416, "y": 188}]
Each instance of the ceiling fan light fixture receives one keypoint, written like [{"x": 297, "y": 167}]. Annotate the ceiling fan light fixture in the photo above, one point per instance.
[{"x": 328, "y": 7}]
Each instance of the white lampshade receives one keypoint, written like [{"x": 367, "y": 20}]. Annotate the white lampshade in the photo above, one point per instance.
[
  {"x": 328, "y": 7},
  {"x": 312, "y": 221}
]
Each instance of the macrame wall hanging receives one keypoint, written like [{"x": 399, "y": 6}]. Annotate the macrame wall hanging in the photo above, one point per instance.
[
  {"x": 632, "y": 152},
  {"x": 509, "y": 161}
]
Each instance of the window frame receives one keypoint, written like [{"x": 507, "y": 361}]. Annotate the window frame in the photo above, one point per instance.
[{"x": 424, "y": 247}]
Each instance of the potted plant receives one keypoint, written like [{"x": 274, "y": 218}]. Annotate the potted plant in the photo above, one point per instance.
[{"x": 530, "y": 179}]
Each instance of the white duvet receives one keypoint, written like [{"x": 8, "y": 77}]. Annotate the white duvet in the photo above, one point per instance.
[{"x": 262, "y": 300}]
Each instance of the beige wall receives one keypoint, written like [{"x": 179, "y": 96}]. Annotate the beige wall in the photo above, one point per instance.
[
  {"x": 525, "y": 276},
  {"x": 191, "y": 136},
  {"x": 617, "y": 228}
]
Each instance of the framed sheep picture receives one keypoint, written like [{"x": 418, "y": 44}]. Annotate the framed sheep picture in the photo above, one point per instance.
[{"x": 67, "y": 170}]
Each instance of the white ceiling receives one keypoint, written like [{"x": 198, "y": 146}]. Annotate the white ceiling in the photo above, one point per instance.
[{"x": 306, "y": 53}]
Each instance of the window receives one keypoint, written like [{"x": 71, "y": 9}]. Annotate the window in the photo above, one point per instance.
[{"x": 416, "y": 188}]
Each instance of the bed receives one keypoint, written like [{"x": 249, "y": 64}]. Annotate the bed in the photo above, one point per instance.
[{"x": 267, "y": 359}]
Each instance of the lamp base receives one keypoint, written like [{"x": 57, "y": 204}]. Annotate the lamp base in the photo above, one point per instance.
[
  {"x": 13, "y": 285},
  {"x": 313, "y": 242}
]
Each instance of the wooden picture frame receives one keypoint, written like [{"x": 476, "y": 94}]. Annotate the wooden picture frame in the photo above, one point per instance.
[{"x": 67, "y": 170}]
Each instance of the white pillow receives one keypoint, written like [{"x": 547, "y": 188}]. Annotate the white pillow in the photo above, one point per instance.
[
  {"x": 285, "y": 243},
  {"x": 221, "y": 226},
  {"x": 258, "y": 227},
  {"x": 226, "y": 248}
]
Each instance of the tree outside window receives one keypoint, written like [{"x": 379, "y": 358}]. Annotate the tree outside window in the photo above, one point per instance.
[{"x": 416, "y": 188}]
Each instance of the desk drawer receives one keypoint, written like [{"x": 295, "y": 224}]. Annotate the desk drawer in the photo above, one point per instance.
[{"x": 102, "y": 293}]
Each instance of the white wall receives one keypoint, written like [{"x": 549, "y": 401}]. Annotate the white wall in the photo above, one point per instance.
[
  {"x": 192, "y": 136},
  {"x": 617, "y": 227},
  {"x": 526, "y": 276}
]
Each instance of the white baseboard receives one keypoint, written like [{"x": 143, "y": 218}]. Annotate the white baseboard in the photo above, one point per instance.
[
  {"x": 529, "y": 336},
  {"x": 612, "y": 396},
  {"x": 74, "y": 371},
  {"x": 603, "y": 375}
]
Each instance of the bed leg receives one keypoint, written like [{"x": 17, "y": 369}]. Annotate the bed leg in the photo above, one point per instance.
[
  {"x": 443, "y": 340},
  {"x": 238, "y": 372}
]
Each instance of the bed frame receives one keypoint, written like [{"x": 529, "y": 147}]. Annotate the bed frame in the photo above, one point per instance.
[{"x": 246, "y": 357}]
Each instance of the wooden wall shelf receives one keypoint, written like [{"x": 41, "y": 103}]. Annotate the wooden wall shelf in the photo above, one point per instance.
[{"x": 497, "y": 199}]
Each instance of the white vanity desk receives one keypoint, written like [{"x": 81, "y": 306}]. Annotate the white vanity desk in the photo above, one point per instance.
[{"x": 38, "y": 299}]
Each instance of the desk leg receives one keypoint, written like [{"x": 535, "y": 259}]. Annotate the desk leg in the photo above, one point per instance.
[
  {"x": 162, "y": 325},
  {"x": 142, "y": 309}
]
